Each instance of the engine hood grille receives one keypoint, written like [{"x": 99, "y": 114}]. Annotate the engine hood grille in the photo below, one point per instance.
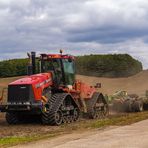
[{"x": 20, "y": 93}]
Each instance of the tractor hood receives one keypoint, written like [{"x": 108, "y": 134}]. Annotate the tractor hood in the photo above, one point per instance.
[
  {"x": 34, "y": 79},
  {"x": 35, "y": 84}
]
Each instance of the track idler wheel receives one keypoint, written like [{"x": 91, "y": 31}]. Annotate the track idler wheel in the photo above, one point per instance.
[
  {"x": 93, "y": 114},
  {"x": 58, "y": 118},
  {"x": 52, "y": 119},
  {"x": 96, "y": 114},
  {"x": 76, "y": 114},
  {"x": 12, "y": 118},
  {"x": 72, "y": 117},
  {"x": 106, "y": 110}
]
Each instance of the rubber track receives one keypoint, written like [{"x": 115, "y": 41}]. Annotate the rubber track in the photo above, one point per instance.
[
  {"x": 91, "y": 102},
  {"x": 55, "y": 102}
]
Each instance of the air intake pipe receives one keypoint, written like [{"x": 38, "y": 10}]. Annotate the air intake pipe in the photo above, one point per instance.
[
  {"x": 31, "y": 68},
  {"x": 33, "y": 55}
]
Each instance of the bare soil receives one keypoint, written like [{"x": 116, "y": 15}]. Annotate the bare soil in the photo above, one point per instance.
[
  {"x": 7, "y": 130},
  {"x": 135, "y": 84}
]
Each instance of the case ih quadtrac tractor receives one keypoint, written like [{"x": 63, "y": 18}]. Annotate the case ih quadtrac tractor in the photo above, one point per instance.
[{"x": 53, "y": 94}]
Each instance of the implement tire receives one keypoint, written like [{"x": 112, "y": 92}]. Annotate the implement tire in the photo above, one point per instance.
[
  {"x": 128, "y": 106},
  {"x": 138, "y": 106}
]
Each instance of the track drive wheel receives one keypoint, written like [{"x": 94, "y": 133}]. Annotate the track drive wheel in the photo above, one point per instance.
[{"x": 12, "y": 118}]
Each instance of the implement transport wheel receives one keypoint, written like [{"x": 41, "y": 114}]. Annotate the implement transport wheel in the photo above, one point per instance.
[
  {"x": 138, "y": 106},
  {"x": 12, "y": 118},
  {"x": 128, "y": 106},
  {"x": 118, "y": 105}
]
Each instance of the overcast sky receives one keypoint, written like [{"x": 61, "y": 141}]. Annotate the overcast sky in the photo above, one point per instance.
[{"x": 78, "y": 26}]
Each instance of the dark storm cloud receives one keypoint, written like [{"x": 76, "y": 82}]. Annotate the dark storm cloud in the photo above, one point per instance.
[
  {"x": 105, "y": 26},
  {"x": 107, "y": 35}
]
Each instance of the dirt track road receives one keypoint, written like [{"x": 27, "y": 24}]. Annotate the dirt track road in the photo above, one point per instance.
[{"x": 131, "y": 136}]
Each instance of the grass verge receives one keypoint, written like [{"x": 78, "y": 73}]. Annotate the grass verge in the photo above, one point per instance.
[
  {"x": 118, "y": 120},
  {"x": 11, "y": 141}
]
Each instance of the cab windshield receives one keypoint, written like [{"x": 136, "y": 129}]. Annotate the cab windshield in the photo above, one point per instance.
[
  {"x": 63, "y": 70},
  {"x": 69, "y": 71}
]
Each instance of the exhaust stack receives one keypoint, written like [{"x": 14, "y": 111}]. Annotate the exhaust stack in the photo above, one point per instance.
[
  {"x": 33, "y": 55},
  {"x": 31, "y": 68}
]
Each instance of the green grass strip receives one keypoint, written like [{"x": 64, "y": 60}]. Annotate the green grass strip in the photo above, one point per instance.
[{"x": 119, "y": 120}]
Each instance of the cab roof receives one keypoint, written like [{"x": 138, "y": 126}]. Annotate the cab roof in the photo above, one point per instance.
[{"x": 57, "y": 56}]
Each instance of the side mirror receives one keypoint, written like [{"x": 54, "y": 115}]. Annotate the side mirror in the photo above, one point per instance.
[{"x": 98, "y": 85}]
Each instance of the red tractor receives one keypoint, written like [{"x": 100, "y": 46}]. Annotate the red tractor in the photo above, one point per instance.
[{"x": 53, "y": 94}]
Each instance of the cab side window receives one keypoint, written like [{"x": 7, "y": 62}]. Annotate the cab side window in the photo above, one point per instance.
[{"x": 69, "y": 71}]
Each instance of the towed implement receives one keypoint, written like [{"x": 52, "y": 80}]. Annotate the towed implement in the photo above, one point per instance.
[
  {"x": 52, "y": 94},
  {"x": 123, "y": 102}
]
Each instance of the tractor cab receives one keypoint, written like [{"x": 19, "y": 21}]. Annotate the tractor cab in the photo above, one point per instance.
[{"x": 61, "y": 66}]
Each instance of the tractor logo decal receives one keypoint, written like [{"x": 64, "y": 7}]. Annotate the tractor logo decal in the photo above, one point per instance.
[{"x": 42, "y": 83}]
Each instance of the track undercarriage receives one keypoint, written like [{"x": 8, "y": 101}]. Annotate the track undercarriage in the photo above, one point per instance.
[{"x": 61, "y": 108}]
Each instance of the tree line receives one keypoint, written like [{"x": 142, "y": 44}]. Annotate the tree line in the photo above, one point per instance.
[{"x": 117, "y": 65}]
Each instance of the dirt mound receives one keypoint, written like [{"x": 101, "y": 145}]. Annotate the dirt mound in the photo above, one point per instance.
[{"x": 135, "y": 84}]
